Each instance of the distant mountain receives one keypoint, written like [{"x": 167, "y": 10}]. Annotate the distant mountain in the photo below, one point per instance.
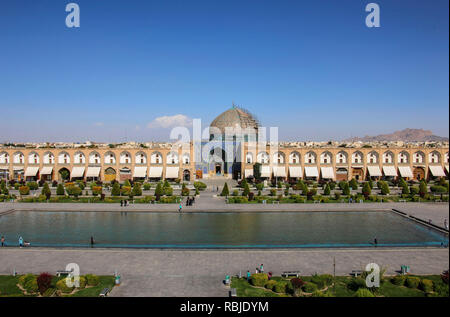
[{"x": 406, "y": 135}]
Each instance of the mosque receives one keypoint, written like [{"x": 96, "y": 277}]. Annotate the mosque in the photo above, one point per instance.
[{"x": 237, "y": 148}]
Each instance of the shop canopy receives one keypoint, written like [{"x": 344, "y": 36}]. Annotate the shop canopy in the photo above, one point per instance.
[
  {"x": 265, "y": 171},
  {"x": 405, "y": 171},
  {"x": 77, "y": 171},
  {"x": 248, "y": 172},
  {"x": 140, "y": 171},
  {"x": 327, "y": 172},
  {"x": 93, "y": 171},
  {"x": 311, "y": 171},
  {"x": 172, "y": 172},
  {"x": 389, "y": 170},
  {"x": 374, "y": 171},
  {"x": 295, "y": 171},
  {"x": 46, "y": 170},
  {"x": 155, "y": 171},
  {"x": 437, "y": 171},
  {"x": 279, "y": 171},
  {"x": 31, "y": 171}
]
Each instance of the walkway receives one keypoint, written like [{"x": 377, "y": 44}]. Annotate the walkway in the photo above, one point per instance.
[{"x": 200, "y": 272}]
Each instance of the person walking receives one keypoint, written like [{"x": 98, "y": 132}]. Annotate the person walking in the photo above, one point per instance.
[
  {"x": 261, "y": 268},
  {"x": 375, "y": 241},
  {"x": 20, "y": 242},
  {"x": 180, "y": 207},
  {"x": 3, "y": 241},
  {"x": 92, "y": 241},
  {"x": 248, "y": 276},
  {"x": 121, "y": 203}
]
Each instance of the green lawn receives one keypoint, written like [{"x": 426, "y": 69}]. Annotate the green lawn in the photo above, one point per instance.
[
  {"x": 342, "y": 288},
  {"x": 8, "y": 287}
]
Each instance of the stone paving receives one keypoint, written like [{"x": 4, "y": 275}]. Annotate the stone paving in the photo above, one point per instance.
[{"x": 200, "y": 272}]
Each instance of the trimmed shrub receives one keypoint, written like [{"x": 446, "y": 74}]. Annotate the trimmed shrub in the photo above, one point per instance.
[
  {"x": 24, "y": 190},
  {"x": 270, "y": 284},
  {"x": 279, "y": 287},
  {"x": 235, "y": 193},
  {"x": 62, "y": 286},
  {"x": 353, "y": 184},
  {"x": 259, "y": 279},
  {"x": 423, "y": 191},
  {"x": 438, "y": 189},
  {"x": 398, "y": 280},
  {"x": 357, "y": 283},
  {"x": 92, "y": 280},
  {"x": 115, "y": 191},
  {"x": 33, "y": 185},
  {"x": 426, "y": 285},
  {"x": 60, "y": 190},
  {"x": 44, "y": 281},
  {"x": 137, "y": 191},
  {"x": 25, "y": 278},
  {"x": 322, "y": 280},
  {"x": 83, "y": 282},
  {"x": 31, "y": 286},
  {"x": 412, "y": 282},
  {"x": 200, "y": 185},
  {"x": 364, "y": 292},
  {"x": 309, "y": 287},
  {"x": 225, "y": 190},
  {"x": 147, "y": 186}
]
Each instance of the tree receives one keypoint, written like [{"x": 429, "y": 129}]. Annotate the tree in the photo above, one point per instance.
[
  {"x": 423, "y": 189},
  {"x": 46, "y": 191},
  {"x": 127, "y": 183},
  {"x": 246, "y": 191},
  {"x": 60, "y": 190},
  {"x": 257, "y": 171},
  {"x": 354, "y": 184},
  {"x": 346, "y": 189},
  {"x": 305, "y": 189},
  {"x": 366, "y": 190},
  {"x": 64, "y": 174},
  {"x": 327, "y": 190},
  {"x": 115, "y": 191},
  {"x": 136, "y": 191},
  {"x": 225, "y": 191},
  {"x": 384, "y": 188},
  {"x": 158, "y": 191},
  {"x": 405, "y": 189},
  {"x": 3, "y": 188}
]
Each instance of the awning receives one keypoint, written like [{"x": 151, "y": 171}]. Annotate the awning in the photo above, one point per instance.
[
  {"x": 31, "y": 171},
  {"x": 295, "y": 171},
  {"x": 327, "y": 172},
  {"x": 248, "y": 172},
  {"x": 311, "y": 171},
  {"x": 46, "y": 170},
  {"x": 172, "y": 172},
  {"x": 279, "y": 171},
  {"x": 265, "y": 171},
  {"x": 18, "y": 168},
  {"x": 4, "y": 167},
  {"x": 405, "y": 171},
  {"x": 437, "y": 170},
  {"x": 155, "y": 171},
  {"x": 93, "y": 171},
  {"x": 446, "y": 167},
  {"x": 77, "y": 171},
  {"x": 374, "y": 170},
  {"x": 389, "y": 171},
  {"x": 140, "y": 171}
]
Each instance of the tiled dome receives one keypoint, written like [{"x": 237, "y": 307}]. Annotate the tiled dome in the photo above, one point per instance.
[{"x": 235, "y": 117}]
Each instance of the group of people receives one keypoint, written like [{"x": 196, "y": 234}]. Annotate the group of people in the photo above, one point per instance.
[
  {"x": 259, "y": 270},
  {"x": 124, "y": 202},
  {"x": 189, "y": 202},
  {"x": 22, "y": 242}
]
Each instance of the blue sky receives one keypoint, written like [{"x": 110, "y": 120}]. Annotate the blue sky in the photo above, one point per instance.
[{"x": 312, "y": 68}]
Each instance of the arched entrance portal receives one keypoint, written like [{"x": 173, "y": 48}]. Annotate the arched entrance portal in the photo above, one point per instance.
[
  {"x": 186, "y": 175},
  {"x": 419, "y": 173},
  {"x": 110, "y": 174},
  {"x": 63, "y": 174}
]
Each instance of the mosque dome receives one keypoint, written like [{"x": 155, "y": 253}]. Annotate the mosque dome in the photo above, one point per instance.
[{"x": 235, "y": 117}]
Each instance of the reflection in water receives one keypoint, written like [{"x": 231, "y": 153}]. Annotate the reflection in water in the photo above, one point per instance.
[{"x": 287, "y": 229}]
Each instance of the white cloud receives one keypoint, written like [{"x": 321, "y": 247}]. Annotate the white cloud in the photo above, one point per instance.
[
  {"x": 178, "y": 120},
  {"x": 98, "y": 124}
]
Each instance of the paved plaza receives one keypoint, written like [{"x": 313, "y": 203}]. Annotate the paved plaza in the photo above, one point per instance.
[
  {"x": 200, "y": 272},
  {"x": 150, "y": 272}
]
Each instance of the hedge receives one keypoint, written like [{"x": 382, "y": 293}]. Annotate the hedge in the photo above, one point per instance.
[
  {"x": 92, "y": 280},
  {"x": 279, "y": 287},
  {"x": 426, "y": 285},
  {"x": 398, "y": 280},
  {"x": 364, "y": 292},
  {"x": 62, "y": 286},
  {"x": 412, "y": 282},
  {"x": 270, "y": 284},
  {"x": 309, "y": 287},
  {"x": 259, "y": 279}
]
